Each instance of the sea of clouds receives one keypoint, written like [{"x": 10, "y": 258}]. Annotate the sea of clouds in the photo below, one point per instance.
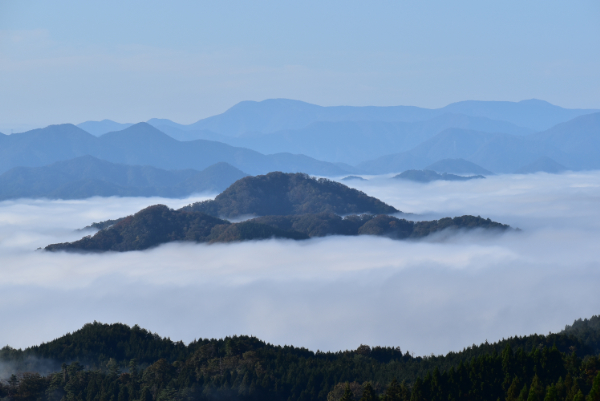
[{"x": 429, "y": 296}]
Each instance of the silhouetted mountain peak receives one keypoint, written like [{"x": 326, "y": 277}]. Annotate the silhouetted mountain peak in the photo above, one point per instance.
[
  {"x": 287, "y": 194},
  {"x": 139, "y": 130},
  {"x": 457, "y": 166},
  {"x": 98, "y": 128}
]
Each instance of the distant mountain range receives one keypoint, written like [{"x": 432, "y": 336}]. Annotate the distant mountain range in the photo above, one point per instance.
[
  {"x": 274, "y": 115},
  {"x": 292, "y": 136},
  {"x": 574, "y": 144},
  {"x": 500, "y": 137},
  {"x": 142, "y": 144},
  {"x": 86, "y": 176}
]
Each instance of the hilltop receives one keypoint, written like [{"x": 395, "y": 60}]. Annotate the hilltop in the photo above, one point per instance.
[{"x": 287, "y": 194}]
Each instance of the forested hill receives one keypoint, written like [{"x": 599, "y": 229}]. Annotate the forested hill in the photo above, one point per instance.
[
  {"x": 287, "y": 194},
  {"x": 102, "y": 362},
  {"x": 158, "y": 224}
]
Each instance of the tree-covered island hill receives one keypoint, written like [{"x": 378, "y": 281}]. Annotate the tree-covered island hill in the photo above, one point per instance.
[
  {"x": 115, "y": 362},
  {"x": 283, "y": 205}
]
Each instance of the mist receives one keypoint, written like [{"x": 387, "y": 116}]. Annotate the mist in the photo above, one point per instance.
[{"x": 435, "y": 295}]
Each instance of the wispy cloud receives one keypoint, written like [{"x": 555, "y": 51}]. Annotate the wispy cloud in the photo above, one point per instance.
[{"x": 434, "y": 295}]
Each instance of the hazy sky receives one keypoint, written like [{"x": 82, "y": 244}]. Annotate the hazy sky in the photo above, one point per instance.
[
  {"x": 428, "y": 296},
  {"x": 71, "y": 61}
]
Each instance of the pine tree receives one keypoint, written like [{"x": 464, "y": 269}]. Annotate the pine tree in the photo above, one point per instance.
[
  {"x": 393, "y": 392},
  {"x": 594, "y": 394},
  {"x": 368, "y": 393},
  {"x": 347, "y": 396},
  {"x": 512, "y": 394},
  {"x": 523, "y": 394},
  {"x": 536, "y": 392},
  {"x": 551, "y": 394}
]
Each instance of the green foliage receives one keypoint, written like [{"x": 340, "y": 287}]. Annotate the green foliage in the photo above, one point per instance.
[
  {"x": 158, "y": 224},
  {"x": 589, "y": 329},
  {"x": 116, "y": 362}
]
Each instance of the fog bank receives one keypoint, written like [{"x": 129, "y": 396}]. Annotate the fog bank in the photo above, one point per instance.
[{"x": 429, "y": 296}]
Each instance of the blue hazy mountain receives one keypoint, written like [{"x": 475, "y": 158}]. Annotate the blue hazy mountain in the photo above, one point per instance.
[
  {"x": 98, "y": 128},
  {"x": 579, "y": 138},
  {"x": 535, "y": 114},
  {"x": 142, "y": 144},
  {"x": 354, "y": 141},
  {"x": 500, "y": 153},
  {"x": 274, "y": 115},
  {"x": 87, "y": 176},
  {"x": 543, "y": 164},
  {"x": 457, "y": 166}
]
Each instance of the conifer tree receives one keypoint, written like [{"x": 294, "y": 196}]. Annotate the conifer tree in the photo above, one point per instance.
[
  {"x": 523, "y": 394},
  {"x": 594, "y": 394},
  {"x": 536, "y": 392},
  {"x": 512, "y": 394},
  {"x": 368, "y": 393},
  {"x": 579, "y": 396},
  {"x": 551, "y": 394},
  {"x": 393, "y": 392},
  {"x": 347, "y": 396}
]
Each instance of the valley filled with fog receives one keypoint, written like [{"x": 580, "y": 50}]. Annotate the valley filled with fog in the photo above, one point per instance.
[{"x": 434, "y": 295}]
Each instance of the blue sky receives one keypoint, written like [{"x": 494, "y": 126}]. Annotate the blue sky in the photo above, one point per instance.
[{"x": 71, "y": 61}]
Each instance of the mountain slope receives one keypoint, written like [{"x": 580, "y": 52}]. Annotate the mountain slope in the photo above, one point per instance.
[
  {"x": 579, "y": 138},
  {"x": 561, "y": 367},
  {"x": 158, "y": 224},
  {"x": 142, "y": 144},
  {"x": 355, "y": 141},
  {"x": 500, "y": 153},
  {"x": 457, "y": 166},
  {"x": 535, "y": 114},
  {"x": 98, "y": 128},
  {"x": 543, "y": 164},
  {"x": 43, "y": 146},
  {"x": 86, "y": 176},
  {"x": 285, "y": 194}
]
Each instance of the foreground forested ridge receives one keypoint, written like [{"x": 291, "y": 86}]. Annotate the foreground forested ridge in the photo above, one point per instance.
[{"x": 105, "y": 362}]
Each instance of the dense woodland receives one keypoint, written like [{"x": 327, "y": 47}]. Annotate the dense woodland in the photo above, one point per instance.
[
  {"x": 121, "y": 363},
  {"x": 284, "y": 194},
  {"x": 158, "y": 224},
  {"x": 292, "y": 206}
]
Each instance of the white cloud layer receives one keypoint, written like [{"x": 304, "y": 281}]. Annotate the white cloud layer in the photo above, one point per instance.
[{"x": 334, "y": 293}]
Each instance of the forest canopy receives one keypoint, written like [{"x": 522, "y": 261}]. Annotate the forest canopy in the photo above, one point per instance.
[{"x": 106, "y": 361}]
